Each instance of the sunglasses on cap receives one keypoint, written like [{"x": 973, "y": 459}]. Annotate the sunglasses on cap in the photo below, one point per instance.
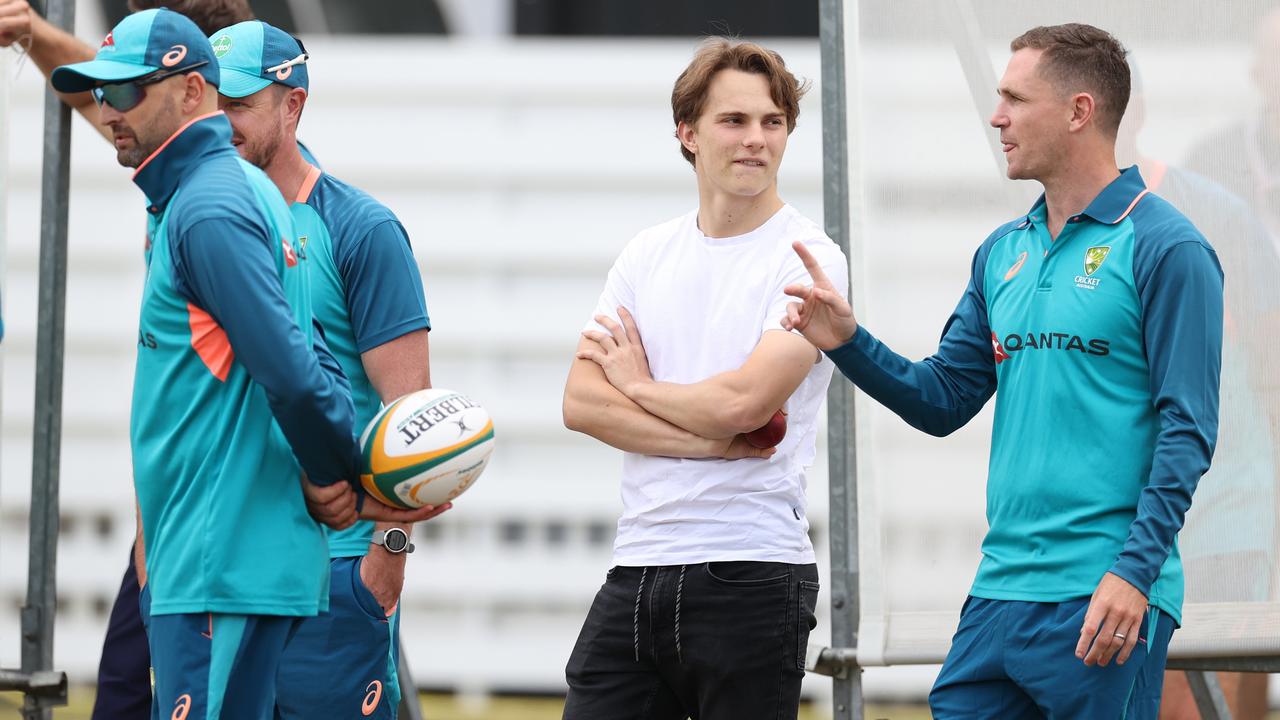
[{"x": 126, "y": 96}]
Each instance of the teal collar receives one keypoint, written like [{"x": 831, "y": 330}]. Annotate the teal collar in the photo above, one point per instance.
[
  {"x": 192, "y": 145},
  {"x": 1112, "y": 205},
  {"x": 1118, "y": 198}
]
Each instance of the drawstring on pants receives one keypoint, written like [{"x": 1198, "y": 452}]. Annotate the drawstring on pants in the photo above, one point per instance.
[
  {"x": 679, "y": 595},
  {"x": 635, "y": 618}
]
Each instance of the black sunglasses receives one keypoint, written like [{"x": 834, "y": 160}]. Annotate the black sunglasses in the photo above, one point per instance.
[{"x": 126, "y": 96}]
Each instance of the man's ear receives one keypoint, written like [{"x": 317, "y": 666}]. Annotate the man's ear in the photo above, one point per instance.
[
  {"x": 294, "y": 101},
  {"x": 194, "y": 91},
  {"x": 687, "y": 136},
  {"x": 1083, "y": 111}
]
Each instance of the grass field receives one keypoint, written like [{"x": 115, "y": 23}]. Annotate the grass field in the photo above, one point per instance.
[{"x": 452, "y": 707}]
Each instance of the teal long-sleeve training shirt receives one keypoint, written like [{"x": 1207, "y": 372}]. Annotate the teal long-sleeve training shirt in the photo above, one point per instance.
[
  {"x": 235, "y": 392},
  {"x": 1103, "y": 349}
]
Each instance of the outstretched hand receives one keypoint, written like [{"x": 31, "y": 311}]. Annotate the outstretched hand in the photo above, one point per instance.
[
  {"x": 335, "y": 505},
  {"x": 620, "y": 353},
  {"x": 823, "y": 316}
]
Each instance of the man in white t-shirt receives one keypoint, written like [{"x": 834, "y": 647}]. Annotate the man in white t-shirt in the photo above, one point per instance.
[{"x": 708, "y": 607}]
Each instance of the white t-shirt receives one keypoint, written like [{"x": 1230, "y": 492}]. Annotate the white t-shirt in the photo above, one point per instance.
[{"x": 701, "y": 305}]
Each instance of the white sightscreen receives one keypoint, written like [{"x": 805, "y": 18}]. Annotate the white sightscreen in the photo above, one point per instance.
[{"x": 1203, "y": 122}]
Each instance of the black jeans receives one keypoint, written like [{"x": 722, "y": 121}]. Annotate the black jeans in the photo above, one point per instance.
[{"x": 713, "y": 641}]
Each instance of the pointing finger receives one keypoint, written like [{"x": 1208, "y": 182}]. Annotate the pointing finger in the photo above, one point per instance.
[{"x": 810, "y": 263}]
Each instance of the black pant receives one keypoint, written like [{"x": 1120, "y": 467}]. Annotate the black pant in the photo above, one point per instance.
[
  {"x": 713, "y": 641},
  {"x": 124, "y": 672}
]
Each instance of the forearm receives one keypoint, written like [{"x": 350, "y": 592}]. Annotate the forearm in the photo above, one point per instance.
[
  {"x": 139, "y": 549},
  {"x": 51, "y": 47},
  {"x": 399, "y": 366},
  {"x": 922, "y": 393},
  {"x": 594, "y": 407},
  {"x": 718, "y": 407},
  {"x": 1181, "y": 458},
  {"x": 1182, "y": 331},
  {"x": 227, "y": 268}
]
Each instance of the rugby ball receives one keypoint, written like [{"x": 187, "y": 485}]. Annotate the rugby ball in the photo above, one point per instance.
[{"x": 425, "y": 448}]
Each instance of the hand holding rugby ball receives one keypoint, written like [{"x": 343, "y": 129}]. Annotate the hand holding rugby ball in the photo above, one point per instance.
[{"x": 425, "y": 448}]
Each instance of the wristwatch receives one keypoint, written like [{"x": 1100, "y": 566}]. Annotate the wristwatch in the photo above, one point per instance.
[{"x": 394, "y": 540}]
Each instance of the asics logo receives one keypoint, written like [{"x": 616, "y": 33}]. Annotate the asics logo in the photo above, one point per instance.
[
  {"x": 174, "y": 56},
  {"x": 1016, "y": 267},
  {"x": 181, "y": 708},
  {"x": 371, "y": 698}
]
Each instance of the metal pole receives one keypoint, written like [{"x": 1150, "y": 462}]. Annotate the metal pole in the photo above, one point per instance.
[
  {"x": 841, "y": 446},
  {"x": 1208, "y": 694},
  {"x": 41, "y": 606}
]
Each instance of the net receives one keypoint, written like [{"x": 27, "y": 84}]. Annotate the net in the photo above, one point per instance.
[{"x": 1204, "y": 126}]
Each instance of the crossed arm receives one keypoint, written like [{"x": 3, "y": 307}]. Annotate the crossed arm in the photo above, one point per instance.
[{"x": 612, "y": 396}]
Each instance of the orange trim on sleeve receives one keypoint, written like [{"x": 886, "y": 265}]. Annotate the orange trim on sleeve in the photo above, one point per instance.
[
  {"x": 309, "y": 184},
  {"x": 210, "y": 342}
]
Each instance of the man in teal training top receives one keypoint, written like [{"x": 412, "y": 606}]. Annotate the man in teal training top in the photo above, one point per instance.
[
  {"x": 235, "y": 394},
  {"x": 367, "y": 293},
  {"x": 1097, "y": 316}
]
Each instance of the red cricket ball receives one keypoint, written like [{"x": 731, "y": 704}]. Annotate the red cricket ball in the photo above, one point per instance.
[{"x": 771, "y": 433}]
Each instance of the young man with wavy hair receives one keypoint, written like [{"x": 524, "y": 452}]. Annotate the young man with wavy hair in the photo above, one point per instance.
[{"x": 708, "y": 606}]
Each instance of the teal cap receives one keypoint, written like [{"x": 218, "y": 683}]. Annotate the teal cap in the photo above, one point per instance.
[
  {"x": 253, "y": 55},
  {"x": 142, "y": 43}
]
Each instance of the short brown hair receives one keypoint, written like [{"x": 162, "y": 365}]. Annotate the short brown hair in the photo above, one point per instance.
[
  {"x": 209, "y": 15},
  {"x": 1082, "y": 58},
  {"x": 689, "y": 96}
]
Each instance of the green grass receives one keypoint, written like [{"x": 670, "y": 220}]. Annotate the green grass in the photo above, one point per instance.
[{"x": 452, "y": 707}]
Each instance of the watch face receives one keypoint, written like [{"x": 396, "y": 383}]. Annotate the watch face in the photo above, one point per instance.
[{"x": 396, "y": 540}]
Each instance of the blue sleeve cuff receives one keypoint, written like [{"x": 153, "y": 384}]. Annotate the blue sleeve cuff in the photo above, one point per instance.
[{"x": 1136, "y": 575}]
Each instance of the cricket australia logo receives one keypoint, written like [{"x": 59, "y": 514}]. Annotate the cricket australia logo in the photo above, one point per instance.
[
  {"x": 221, "y": 46},
  {"x": 1093, "y": 259}
]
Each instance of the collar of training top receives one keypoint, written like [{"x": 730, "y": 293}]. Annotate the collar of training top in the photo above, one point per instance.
[
  {"x": 1112, "y": 205},
  {"x": 193, "y": 144}
]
